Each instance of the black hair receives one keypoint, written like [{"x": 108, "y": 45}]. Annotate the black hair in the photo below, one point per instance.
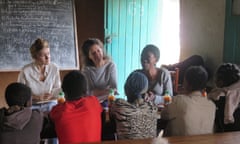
[
  {"x": 196, "y": 77},
  {"x": 74, "y": 85},
  {"x": 17, "y": 94},
  {"x": 228, "y": 73},
  {"x": 150, "y": 48}
]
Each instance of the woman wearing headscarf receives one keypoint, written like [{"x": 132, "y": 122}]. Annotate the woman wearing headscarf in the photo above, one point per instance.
[
  {"x": 135, "y": 118},
  {"x": 42, "y": 76}
]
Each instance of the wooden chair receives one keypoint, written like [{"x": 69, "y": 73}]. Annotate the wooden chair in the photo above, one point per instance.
[{"x": 175, "y": 78}]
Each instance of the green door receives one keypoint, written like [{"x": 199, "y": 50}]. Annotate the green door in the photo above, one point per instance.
[
  {"x": 231, "y": 51},
  {"x": 129, "y": 26}
]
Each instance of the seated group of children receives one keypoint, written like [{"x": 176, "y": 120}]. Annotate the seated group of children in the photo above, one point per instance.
[
  {"x": 76, "y": 120},
  {"x": 79, "y": 118}
]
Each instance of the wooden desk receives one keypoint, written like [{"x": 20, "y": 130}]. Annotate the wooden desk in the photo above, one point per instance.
[{"x": 219, "y": 138}]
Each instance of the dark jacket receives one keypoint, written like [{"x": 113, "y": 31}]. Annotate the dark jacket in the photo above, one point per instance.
[{"x": 21, "y": 127}]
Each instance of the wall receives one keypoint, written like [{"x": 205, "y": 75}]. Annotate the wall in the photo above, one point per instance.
[
  {"x": 202, "y": 30},
  {"x": 90, "y": 23},
  {"x": 232, "y": 34}
]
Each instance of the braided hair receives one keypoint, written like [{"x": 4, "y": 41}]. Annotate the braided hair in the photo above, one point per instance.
[
  {"x": 136, "y": 85},
  {"x": 227, "y": 74}
]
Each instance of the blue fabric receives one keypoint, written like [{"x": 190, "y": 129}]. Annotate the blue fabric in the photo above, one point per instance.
[
  {"x": 104, "y": 104},
  {"x": 136, "y": 85},
  {"x": 44, "y": 107}
]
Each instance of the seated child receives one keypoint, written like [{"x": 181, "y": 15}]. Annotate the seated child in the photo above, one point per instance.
[
  {"x": 79, "y": 118},
  {"x": 135, "y": 118},
  {"x": 191, "y": 113},
  {"x": 227, "y": 97},
  {"x": 19, "y": 124}
]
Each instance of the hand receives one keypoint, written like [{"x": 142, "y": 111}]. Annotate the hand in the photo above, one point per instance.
[
  {"x": 150, "y": 96},
  {"x": 102, "y": 98},
  {"x": 46, "y": 96},
  {"x": 39, "y": 98},
  {"x": 115, "y": 91},
  {"x": 100, "y": 92}
]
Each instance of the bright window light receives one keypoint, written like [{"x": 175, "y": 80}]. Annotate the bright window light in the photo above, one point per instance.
[{"x": 170, "y": 41}]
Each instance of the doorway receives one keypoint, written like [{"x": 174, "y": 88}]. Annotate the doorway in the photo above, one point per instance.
[{"x": 131, "y": 24}]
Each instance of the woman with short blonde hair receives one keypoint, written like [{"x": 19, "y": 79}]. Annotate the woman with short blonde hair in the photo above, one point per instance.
[{"x": 41, "y": 76}]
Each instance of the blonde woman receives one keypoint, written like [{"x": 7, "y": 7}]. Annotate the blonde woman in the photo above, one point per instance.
[{"x": 41, "y": 76}]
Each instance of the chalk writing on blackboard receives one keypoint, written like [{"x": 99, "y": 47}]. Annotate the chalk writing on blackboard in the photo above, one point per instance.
[{"x": 23, "y": 21}]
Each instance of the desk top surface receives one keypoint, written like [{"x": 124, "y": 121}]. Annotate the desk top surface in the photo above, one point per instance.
[{"x": 219, "y": 138}]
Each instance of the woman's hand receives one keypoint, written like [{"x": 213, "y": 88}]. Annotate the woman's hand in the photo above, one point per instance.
[
  {"x": 100, "y": 92},
  {"x": 46, "y": 96},
  {"x": 150, "y": 96}
]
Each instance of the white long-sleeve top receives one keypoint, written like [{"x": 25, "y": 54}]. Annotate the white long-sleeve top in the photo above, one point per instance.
[{"x": 30, "y": 76}]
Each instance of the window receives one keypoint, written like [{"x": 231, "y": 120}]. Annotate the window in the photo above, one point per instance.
[{"x": 170, "y": 47}]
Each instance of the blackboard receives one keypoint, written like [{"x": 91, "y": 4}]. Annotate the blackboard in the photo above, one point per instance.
[{"x": 23, "y": 21}]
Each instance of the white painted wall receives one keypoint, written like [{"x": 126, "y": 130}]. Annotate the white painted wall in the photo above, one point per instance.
[{"x": 202, "y": 30}]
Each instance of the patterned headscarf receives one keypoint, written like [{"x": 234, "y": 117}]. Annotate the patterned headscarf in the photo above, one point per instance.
[{"x": 136, "y": 85}]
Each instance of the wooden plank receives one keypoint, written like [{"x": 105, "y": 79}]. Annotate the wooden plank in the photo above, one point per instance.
[
  {"x": 115, "y": 30},
  {"x": 136, "y": 35},
  {"x": 109, "y": 24},
  {"x": 129, "y": 37},
  {"x": 231, "y": 52},
  {"x": 218, "y": 138},
  {"x": 122, "y": 61},
  {"x": 143, "y": 25}
]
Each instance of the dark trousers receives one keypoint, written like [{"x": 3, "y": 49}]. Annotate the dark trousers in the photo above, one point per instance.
[{"x": 219, "y": 118}]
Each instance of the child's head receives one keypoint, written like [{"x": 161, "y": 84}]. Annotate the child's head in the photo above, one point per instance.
[
  {"x": 135, "y": 86},
  {"x": 227, "y": 74},
  {"x": 195, "y": 78},
  {"x": 17, "y": 94},
  {"x": 74, "y": 85}
]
